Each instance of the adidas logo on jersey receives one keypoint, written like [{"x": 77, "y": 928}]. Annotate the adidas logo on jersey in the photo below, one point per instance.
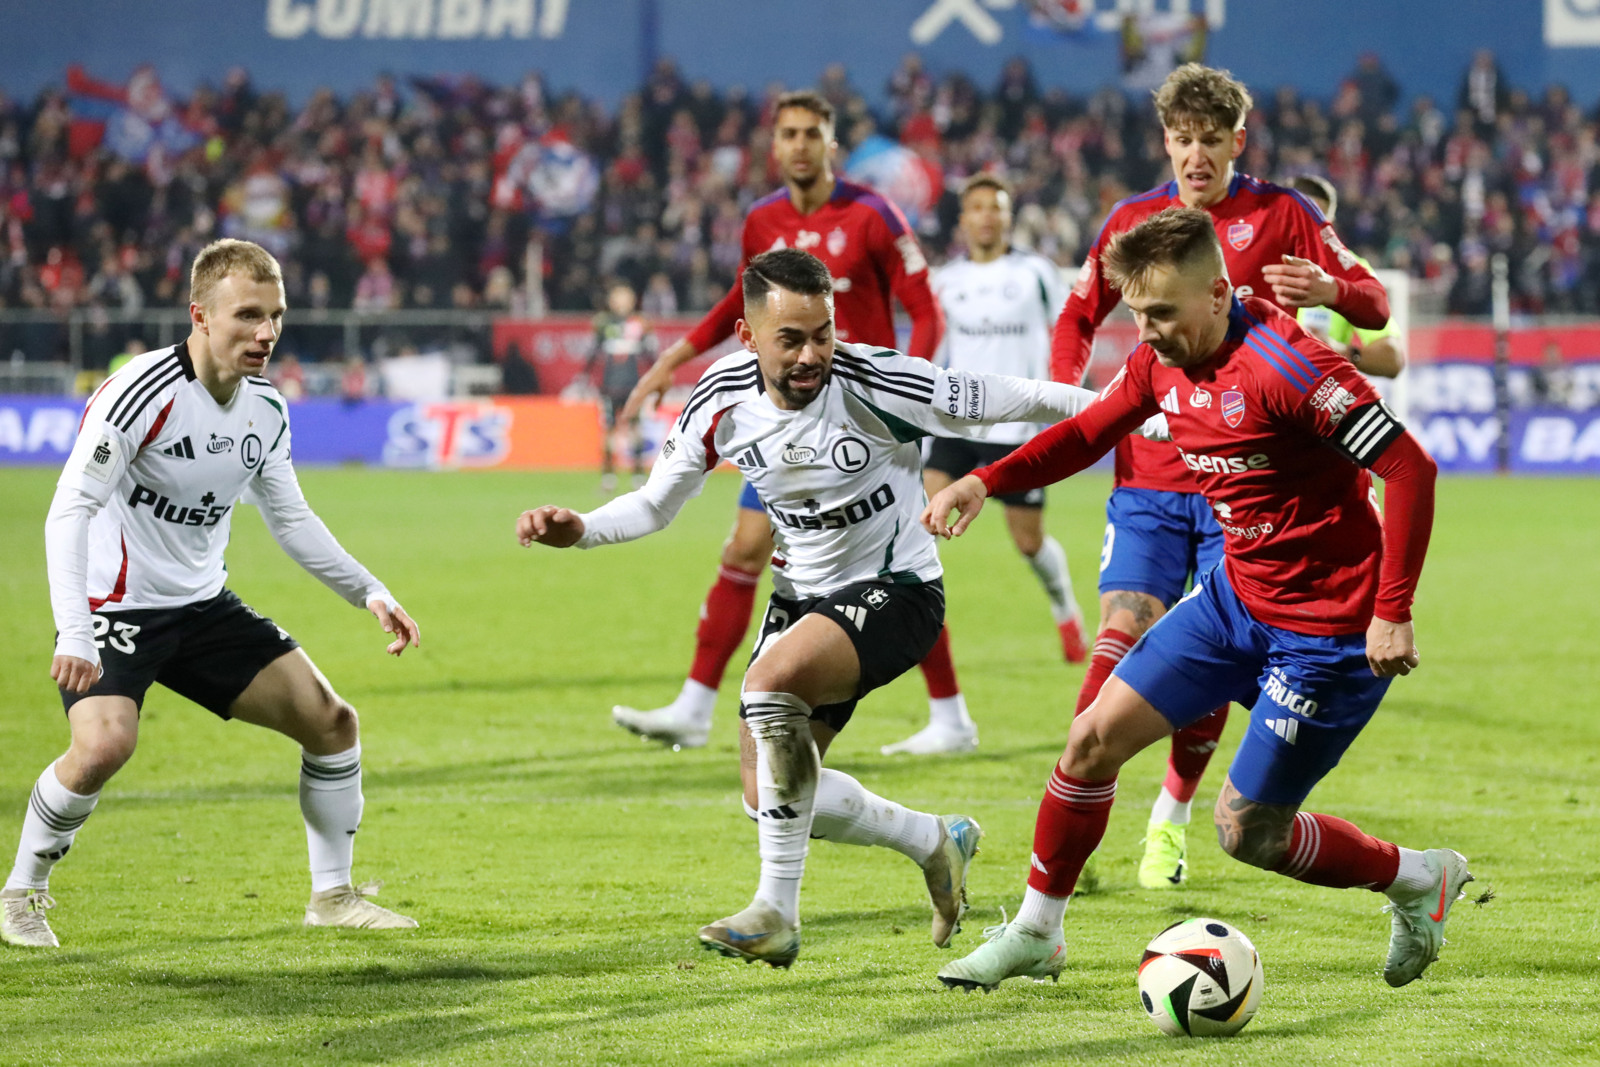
[
  {"x": 182, "y": 449},
  {"x": 1169, "y": 403},
  {"x": 750, "y": 459}
]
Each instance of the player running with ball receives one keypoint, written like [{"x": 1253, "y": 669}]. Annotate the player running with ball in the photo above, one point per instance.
[
  {"x": 134, "y": 542},
  {"x": 1306, "y": 620},
  {"x": 827, "y": 433}
]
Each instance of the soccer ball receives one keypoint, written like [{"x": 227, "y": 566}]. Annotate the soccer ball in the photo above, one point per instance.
[{"x": 1200, "y": 978}]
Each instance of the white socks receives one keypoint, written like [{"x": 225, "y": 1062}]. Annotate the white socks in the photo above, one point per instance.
[
  {"x": 848, "y": 813},
  {"x": 330, "y": 800},
  {"x": 950, "y": 713},
  {"x": 787, "y": 770},
  {"x": 1169, "y": 808},
  {"x": 1050, "y": 564},
  {"x": 695, "y": 701},
  {"x": 1040, "y": 912},
  {"x": 1413, "y": 879},
  {"x": 54, "y": 815}
]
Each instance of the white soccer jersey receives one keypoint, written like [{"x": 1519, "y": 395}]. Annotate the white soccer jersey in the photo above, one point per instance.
[
  {"x": 998, "y": 317},
  {"x": 842, "y": 477},
  {"x": 145, "y": 502}
]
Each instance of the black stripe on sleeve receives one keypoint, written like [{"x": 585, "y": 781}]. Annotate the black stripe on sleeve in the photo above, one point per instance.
[
  {"x": 850, "y": 375},
  {"x": 905, "y": 379},
  {"x": 159, "y": 369},
  {"x": 131, "y": 416},
  {"x": 1365, "y": 432},
  {"x": 750, "y": 381}
]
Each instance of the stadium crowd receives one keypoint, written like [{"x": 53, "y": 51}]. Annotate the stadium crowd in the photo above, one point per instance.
[{"x": 434, "y": 193}]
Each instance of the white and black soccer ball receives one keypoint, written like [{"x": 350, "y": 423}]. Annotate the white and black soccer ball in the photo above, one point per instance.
[{"x": 1200, "y": 978}]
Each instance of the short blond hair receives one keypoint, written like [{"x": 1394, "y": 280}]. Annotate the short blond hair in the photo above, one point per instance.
[
  {"x": 1196, "y": 98},
  {"x": 228, "y": 256},
  {"x": 1176, "y": 237}
]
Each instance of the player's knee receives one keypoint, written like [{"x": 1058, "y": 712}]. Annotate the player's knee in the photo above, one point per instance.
[
  {"x": 342, "y": 721},
  {"x": 746, "y": 554},
  {"x": 1089, "y": 753},
  {"x": 1028, "y": 542},
  {"x": 103, "y": 752}
]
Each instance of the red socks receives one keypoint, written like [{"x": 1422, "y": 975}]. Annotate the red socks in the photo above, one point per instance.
[
  {"x": 1109, "y": 648},
  {"x": 939, "y": 670},
  {"x": 724, "y": 618},
  {"x": 1072, "y": 820},
  {"x": 1192, "y": 747},
  {"x": 1327, "y": 851}
]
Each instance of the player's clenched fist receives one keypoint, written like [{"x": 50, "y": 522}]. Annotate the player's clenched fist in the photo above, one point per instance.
[
  {"x": 1391, "y": 648},
  {"x": 965, "y": 496},
  {"x": 550, "y": 525}
]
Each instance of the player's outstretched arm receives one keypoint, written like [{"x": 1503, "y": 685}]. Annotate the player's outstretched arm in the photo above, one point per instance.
[
  {"x": 965, "y": 496},
  {"x": 550, "y": 525}
]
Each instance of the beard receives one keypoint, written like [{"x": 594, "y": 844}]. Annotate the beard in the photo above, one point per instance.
[{"x": 798, "y": 396}]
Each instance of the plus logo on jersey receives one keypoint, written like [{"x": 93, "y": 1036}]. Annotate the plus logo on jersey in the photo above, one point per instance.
[
  {"x": 207, "y": 513},
  {"x": 1240, "y": 234},
  {"x": 1232, "y": 407}
]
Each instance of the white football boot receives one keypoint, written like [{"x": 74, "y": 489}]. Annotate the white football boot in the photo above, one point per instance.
[
  {"x": 934, "y": 740},
  {"x": 671, "y": 726},
  {"x": 946, "y": 874},
  {"x": 349, "y": 907},
  {"x": 1416, "y": 927},
  {"x": 756, "y": 934},
  {"x": 23, "y": 923},
  {"x": 1010, "y": 951}
]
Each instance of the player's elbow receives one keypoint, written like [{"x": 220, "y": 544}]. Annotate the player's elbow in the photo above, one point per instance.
[{"x": 1384, "y": 358}]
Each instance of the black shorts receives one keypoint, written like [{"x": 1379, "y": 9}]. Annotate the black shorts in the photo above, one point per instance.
[
  {"x": 892, "y": 626},
  {"x": 959, "y": 457},
  {"x": 610, "y": 407},
  {"x": 209, "y": 652}
]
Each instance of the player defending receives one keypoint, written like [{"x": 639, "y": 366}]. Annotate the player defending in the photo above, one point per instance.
[
  {"x": 999, "y": 305},
  {"x": 134, "y": 542},
  {"x": 1307, "y": 619},
  {"x": 867, "y": 245},
  {"x": 830, "y": 431},
  {"x": 624, "y": 346},
  {"x": 1159, "y": 531},
  {"x": 1380, "y": 352}
]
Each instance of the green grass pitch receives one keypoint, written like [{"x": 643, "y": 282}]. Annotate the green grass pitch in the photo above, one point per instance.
[{"x": 559, "y": 867}]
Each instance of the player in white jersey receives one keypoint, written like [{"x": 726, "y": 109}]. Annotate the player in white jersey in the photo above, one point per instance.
[
  {"x": 999, "y": 307},
  {"x": 134, "y": 544},
  {"x": 827, "y": 432}
]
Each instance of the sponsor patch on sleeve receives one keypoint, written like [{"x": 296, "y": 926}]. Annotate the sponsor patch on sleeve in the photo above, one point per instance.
[
  {"x": 1333, "y": 398},
  {"x": 965, "y": 396},
  {"x": 103, "y": 459},
  {"x": 911, "y": 253}
]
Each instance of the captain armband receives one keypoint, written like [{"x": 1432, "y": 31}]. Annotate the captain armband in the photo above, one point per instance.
[{"x": 1365, "y": 432}]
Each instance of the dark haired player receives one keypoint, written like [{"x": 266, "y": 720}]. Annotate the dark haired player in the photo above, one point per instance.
[
  {"x": 1159, "y": 532},
  {"x": 1306, "y": 620},
  {"x": 829, "y": 432},
  {"x": 872, "y": 254}
]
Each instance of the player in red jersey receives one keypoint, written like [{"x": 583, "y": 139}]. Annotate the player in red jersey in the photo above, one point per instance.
[
  {"x": 1159, "y": 533},
  {"x": 872, "y": 253},
  {"x": 1307, "y": 619}
]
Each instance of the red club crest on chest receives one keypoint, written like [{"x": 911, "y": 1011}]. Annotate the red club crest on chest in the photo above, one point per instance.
[
  {"x": 1232, "y": 407},
  {"x": 1240, "y": 234}
]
